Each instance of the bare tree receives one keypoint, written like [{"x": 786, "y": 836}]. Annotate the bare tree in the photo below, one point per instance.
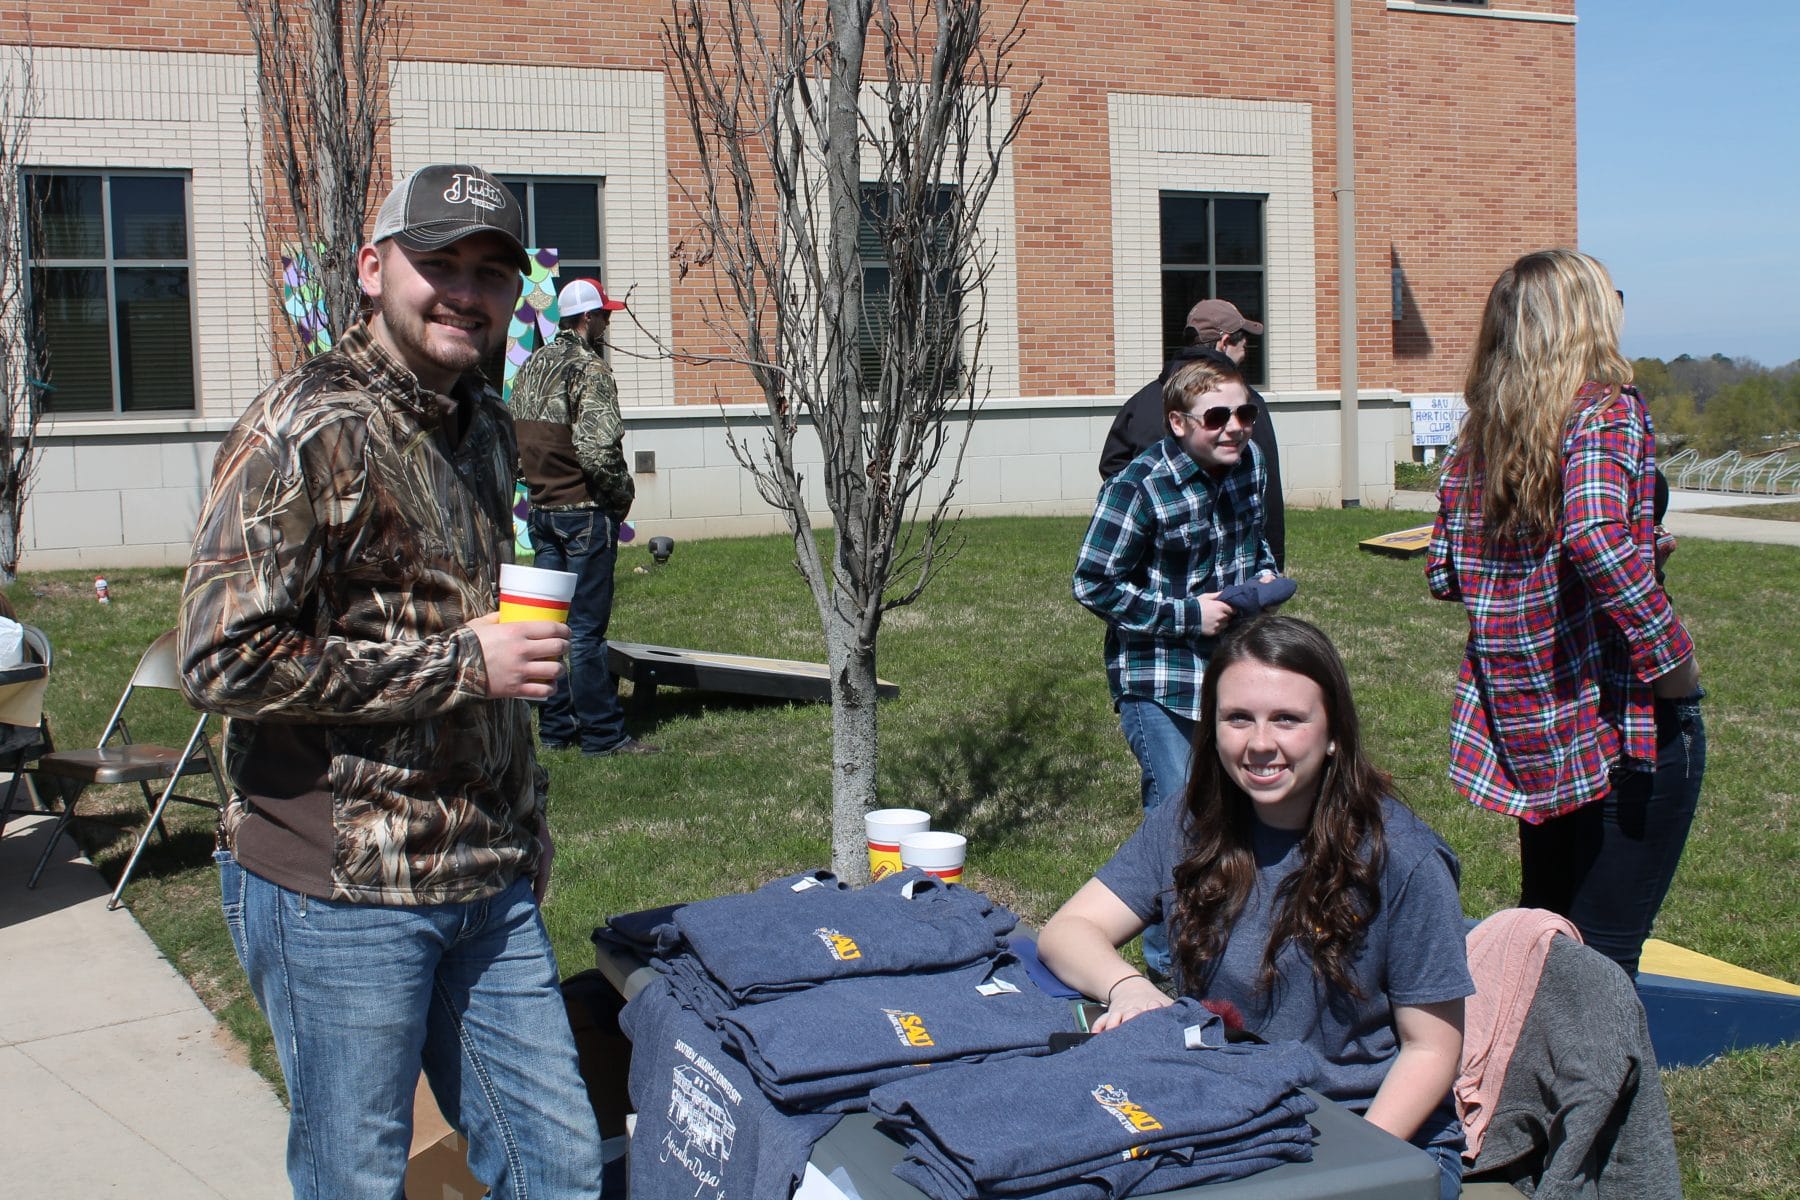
[
  {"x": 322, "y": 91},
  {"x": 788, "y": 132},
  {"x": 19, "y": 383}
]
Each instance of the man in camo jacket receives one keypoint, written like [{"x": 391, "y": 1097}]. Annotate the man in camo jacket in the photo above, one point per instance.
[
  {"x": 386, "y": 824},
  {"x": 566, "y": 408}
]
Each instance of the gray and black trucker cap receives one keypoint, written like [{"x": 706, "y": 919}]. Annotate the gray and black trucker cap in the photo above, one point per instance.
[{"x": 447, "y": 202}]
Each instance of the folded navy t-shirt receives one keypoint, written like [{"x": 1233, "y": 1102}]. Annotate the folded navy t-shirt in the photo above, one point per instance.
[{"x": 1248, "y": 599}]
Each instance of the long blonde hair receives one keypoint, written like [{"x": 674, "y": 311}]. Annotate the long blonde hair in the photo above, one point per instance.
[{"x": 1551, "y": 324}]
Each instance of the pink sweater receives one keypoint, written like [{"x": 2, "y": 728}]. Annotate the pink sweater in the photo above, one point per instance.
[{"x": 1506, "y": 958}]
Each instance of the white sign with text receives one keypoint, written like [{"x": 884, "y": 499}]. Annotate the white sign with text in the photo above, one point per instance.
[{"x": 1435, "y": 419}]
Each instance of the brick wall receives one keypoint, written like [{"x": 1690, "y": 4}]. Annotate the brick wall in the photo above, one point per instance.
[
  {"x": 1474, "y": 164},
  {"x": 1465, "y": 129},
  {"x": 1466, "y": 158}
]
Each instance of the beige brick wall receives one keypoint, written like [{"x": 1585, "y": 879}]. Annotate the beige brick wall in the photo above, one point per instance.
[
  {"x": 563, "y": 122},
  {"x": 195, "y": 113},
  {"x": 1199, "y": 144},
  {"x": 125, "y": 490},
  {"x": 1465, "y": 159}
]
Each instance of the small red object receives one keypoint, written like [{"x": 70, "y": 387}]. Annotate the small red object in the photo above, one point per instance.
[{"x": 101, "y": 592}]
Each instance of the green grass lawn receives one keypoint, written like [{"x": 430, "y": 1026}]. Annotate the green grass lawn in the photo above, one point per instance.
[
  {"x": 1004, "y": 732},
  {"x": 1757, "y": 512}
]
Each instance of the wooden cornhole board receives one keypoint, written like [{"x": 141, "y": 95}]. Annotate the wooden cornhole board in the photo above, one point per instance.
[
  {"x": 1700, "y": 1007},
  {"x": 651, "y": 667},
  {"x": 1402, "y": 543}
]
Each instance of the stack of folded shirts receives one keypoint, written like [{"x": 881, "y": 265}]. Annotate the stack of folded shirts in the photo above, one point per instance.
[
  {"x": 823, "y": 1049},
  {"x": 795, "y": 933},
  {"x": 1158, "y": 1103},
  {"x": 703, "y": 1126},
  {"x": 803, "y": 930}
]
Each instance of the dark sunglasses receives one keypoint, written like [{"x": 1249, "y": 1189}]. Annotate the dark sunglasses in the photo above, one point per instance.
[{"x": 1215, "y": 418}]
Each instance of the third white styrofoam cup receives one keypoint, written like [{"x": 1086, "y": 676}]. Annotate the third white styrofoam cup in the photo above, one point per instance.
[{"x": 935, "y": 853}]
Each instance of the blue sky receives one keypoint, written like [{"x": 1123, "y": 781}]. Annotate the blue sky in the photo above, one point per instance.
[{"x": 1688, "y": 116}]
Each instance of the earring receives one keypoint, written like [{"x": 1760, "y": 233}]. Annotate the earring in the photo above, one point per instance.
[{"x": 1330, "y": 749}]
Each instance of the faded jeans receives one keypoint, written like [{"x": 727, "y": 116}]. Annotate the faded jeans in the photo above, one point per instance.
[
  {"x": 1164, "y": 745},
  {"x": 360, "y": 996}
]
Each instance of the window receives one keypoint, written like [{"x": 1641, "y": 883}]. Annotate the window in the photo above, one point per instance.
[
  {"x": 564, "y": 215},
  {"x": 943, "y": 311},
  {"x": 1213, "y": 248},
  {"x": 112, "y": 270}
]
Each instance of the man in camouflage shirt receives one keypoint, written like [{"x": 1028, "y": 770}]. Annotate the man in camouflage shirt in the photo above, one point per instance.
[
  {"x": 566, "y": 407},
  {"x": 386, "y": 824}
]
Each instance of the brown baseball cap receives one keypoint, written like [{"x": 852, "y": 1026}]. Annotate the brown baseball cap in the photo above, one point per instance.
[{"x": 1221, "y": 317}]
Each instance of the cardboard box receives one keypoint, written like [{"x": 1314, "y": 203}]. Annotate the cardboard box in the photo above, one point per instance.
[{"x": 437, "y": 1166}]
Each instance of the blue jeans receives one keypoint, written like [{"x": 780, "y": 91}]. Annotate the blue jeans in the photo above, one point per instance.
[
  {"x": 359, "y": 997},
  {"x": 1444, "y": 1141},
  {"x": 584, "y": 710},
  {"x": 1164, "y": 744},
  {"x": 1607, "y": 865}
]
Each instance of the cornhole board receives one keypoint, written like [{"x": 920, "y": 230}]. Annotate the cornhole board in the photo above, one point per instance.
[
  {"x": 651, "y": 667},
  {"x": 1402, "y": 543},
  {"x": 1701, "y": 1007}
]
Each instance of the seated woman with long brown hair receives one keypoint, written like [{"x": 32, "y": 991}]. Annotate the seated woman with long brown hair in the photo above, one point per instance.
[{"x": 1296, "y": 888}]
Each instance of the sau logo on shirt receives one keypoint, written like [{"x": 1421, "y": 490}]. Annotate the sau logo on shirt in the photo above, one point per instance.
[
  {"x": 910, "y": 1027},
  {"x": 842, "y": 947},
  {"x": 1132, "y": 1116}
]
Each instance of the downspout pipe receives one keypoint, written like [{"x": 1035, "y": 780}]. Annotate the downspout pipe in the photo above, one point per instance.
[{"x": 1349, "y": 438}]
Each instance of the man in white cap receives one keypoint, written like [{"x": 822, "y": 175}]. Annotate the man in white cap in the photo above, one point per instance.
[
  {"x": 571, "y": 451},
  {"x": 385, "y": 845}
]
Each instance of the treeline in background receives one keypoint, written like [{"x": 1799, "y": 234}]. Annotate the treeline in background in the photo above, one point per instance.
[{"x": 1718, "y": 403}]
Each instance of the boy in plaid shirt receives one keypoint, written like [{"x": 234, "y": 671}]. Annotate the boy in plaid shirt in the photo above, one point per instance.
[{"x": 1180, "y": 523}]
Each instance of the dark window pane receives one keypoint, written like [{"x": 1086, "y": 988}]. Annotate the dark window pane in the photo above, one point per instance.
[
  {"x": 156, "y": 340},
  {"x": 149, "y": 217},
  {"x": 945, "y": 314},
  {"x": 1184, "y": 230},
  {"x": 1181, "y": 290},
  {"x": 69, "y": 307},
  {"x": 1237, "y": 232},
  {"x": 68, "y": 223},
  {"x": 517, "y": 188},
  {"x": 872, "y": 329},
  {"x": 941, "y": 312},
  {"x": 868, "y": 236},
  {"x": 1242, "y": 288},
  {"x": 1245, "y": 289},
  {"x": 567, "y": 271},
  {"x": 1200, "y": 232},
  {"x": 568, "y": 218}
]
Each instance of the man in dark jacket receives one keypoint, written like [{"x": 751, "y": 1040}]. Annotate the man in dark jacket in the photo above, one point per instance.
[{"x": 1215, "y": 327}]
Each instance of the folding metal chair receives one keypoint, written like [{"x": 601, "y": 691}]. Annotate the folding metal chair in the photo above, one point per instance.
[{"x": 118, "y": 759}]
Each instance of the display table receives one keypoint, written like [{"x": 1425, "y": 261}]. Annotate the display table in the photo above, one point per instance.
[{"x": 1352, "y": 1160}]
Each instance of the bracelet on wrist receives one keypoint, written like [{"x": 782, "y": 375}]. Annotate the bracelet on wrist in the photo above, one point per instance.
[{"x": 1115, "y": 986}]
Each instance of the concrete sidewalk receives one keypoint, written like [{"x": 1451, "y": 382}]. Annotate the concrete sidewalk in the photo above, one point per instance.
[
  {"x": 118, "y": 1082},
  {"x": 1679, "y": 521}
]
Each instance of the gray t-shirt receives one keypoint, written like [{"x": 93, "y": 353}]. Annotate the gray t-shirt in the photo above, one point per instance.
[{"x": 1413, "y": 953}]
